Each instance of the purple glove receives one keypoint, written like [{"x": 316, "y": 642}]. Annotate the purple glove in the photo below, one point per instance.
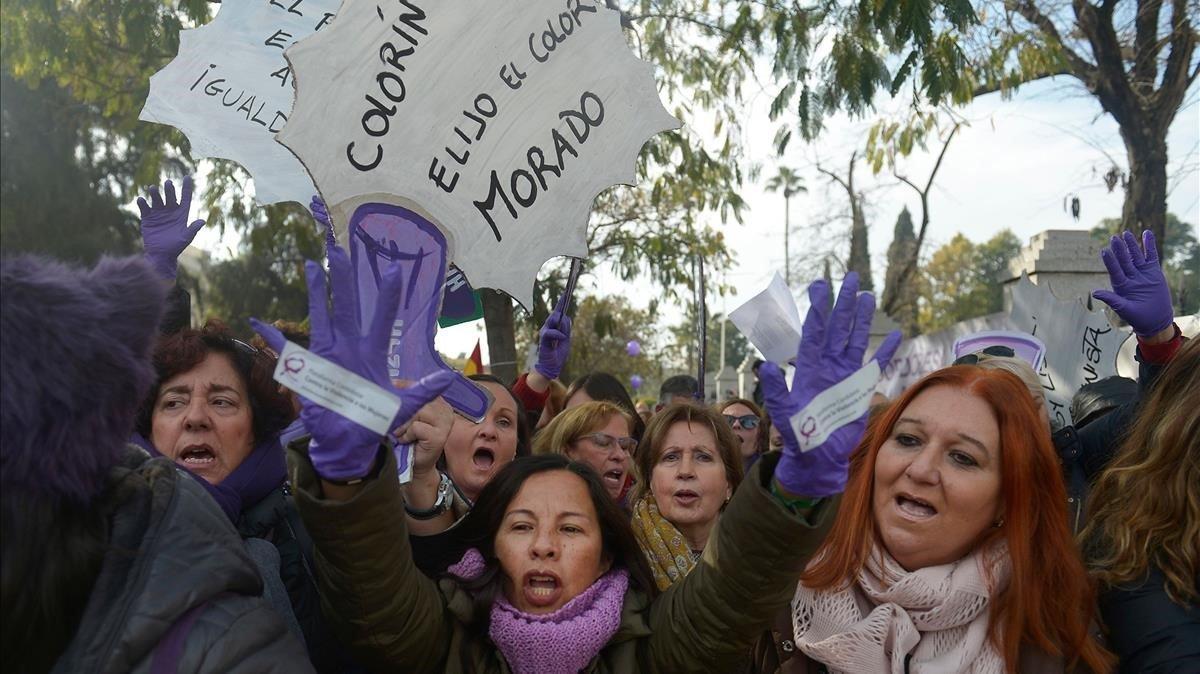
[
  {"x": 321, "y": 214},
  {"x": 831, "y": 349},
  {"x": 341, "y": 449},
  {"x": 165, "y": 232},
  {"x": 1140, "y": 294},
  {"x": 554, "y": 342}
]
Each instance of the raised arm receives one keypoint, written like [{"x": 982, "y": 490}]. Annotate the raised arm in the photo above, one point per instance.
[
  {"x": 165, "y": 235},
  {"x": 389, "y": 614},
  {"x": 781, "y": 512}
]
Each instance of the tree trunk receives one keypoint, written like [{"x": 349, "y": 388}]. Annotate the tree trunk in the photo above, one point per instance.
[
  {"x": 1146, "y": 192},
  {"x": 501, "y": 334}
]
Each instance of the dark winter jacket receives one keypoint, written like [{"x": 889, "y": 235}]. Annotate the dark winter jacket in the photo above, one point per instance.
[
  {"x": 275, "y": 520},
  {"x": 397, "y": 619},
  {"x": 172, "y": 550},
  {"x": 1148, "y": 631},
  {"x": 1085, "y": 452}
]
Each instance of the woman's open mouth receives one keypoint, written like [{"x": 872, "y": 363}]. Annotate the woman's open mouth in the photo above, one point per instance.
[
  {"x": 542, "y": 588},
  {"x": 914, "y": 508},
  {"x": 614, "y": 479},
  {"x": 686, "y": 497},
  {"x": 483, "y": 458},
  {"x": 197, "y": 456}
]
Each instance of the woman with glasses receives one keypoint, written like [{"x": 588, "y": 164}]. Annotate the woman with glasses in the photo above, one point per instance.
[
  {"x": 746, "y": 420},
  {"x": 598, "y": 434},
  {"x": 690, "y": 464}
]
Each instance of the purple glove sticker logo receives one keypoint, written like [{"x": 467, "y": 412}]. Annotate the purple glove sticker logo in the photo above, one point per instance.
[{"x": 293, "y": 365}]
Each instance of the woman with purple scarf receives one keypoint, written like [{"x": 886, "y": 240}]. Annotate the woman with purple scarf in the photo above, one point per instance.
[
  {"x": 552, "y": 579},
  {"x": 215, "y": 411}
]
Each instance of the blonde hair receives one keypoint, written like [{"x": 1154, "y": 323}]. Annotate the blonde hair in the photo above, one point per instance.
[
  {"x": 1023, "y": 371},
  {"x": 1145, "y": 507},
  {"x": 570, "y": 425}
]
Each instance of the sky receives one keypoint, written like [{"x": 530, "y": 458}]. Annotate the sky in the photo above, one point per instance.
[{"x": 1011, "y": 167}]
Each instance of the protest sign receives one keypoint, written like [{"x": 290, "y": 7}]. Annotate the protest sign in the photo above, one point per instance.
[
  {"x": 1081, "y": 345},
  {"x": 499, "y": 122},
  {"x": 771, "y": 321},
  {"x": 230, "y": 90},
  {"x": 382, "y": 237}
]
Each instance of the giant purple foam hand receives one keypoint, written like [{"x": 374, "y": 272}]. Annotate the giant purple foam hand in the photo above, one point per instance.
[
  {"x": 165, "y": 230},
  {"x": 341, "y": 449},
  {"x": 831, "y": 349},
  {"x": 320, "y": 213},
  {"x": 1140, "y": 294}
]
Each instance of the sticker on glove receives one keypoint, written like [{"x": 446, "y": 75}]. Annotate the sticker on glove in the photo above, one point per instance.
[
  {"x": 336, "y": 389},
  {"x": 841, "y": 404}
]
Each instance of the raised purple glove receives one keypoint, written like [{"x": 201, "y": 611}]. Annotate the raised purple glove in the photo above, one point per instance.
[
  {"x": 320, "y": 213},
  {"x": 165, "y": 232},
  {"x": 831, "y": 349},
  {"x": 340, "y": 448},
  {"x": 1140, "y": 294},
  {"x": 554, "y": 342}
]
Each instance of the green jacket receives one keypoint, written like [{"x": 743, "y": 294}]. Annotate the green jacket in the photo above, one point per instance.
[{"x": 396, "y": 619}]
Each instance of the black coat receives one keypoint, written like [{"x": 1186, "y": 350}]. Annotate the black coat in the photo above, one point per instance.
[
  {"x": 172, "y": 550},
  {"x": 1148, "y": 631},
  {"x": 276, "y": 520},
  {"x": 1086, "y": 452}
]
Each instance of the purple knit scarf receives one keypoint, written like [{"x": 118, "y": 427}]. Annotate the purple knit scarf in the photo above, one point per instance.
[
  {"x": 563, "y": 642},
  {"x": 260, "y": 473}
]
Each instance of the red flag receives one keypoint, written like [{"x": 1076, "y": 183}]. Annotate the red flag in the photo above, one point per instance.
[{"x": 475, "y": 362}]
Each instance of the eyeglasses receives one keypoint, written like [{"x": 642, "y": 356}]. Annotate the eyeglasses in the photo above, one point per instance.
[
  {"x": 748, "y": 421},
  {"x": 605, "y": 441},
  {"x": 974, "y": 358}
]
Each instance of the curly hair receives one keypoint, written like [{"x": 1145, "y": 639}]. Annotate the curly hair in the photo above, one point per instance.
[
  {"x": 1145, "y": 507},
  {"x": 271, "y": 408}
]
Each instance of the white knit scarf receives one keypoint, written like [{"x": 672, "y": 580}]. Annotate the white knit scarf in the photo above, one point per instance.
[{"x": 936, "y": 618}]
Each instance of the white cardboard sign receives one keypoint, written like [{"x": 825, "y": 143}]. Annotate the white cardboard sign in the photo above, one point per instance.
[
  {"x": 500, "y": 121},
  {"x": 230, "y": 90},
  {"x": 1081, "y": 345}
]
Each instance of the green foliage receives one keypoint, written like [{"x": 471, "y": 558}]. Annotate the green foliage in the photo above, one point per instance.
[
  {"x": 871, "y": 46},
  {"x": 681, "y": 353},
  {"x": 602, "y": 327},
  {"x": 961, "y": 280},
  {"x": 1180, "y": 255}
]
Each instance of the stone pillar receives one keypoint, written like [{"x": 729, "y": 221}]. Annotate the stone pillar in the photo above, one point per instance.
[
  {"x": 1066, "y": 259},
  {"x": 745, "y": 378}
]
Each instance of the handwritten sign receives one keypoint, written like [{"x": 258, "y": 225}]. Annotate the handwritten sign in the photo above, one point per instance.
[
  {"x": 499, "y": 122},
  {"x": 230, "y": 90},
  {"x": 1081, "y": 345}
]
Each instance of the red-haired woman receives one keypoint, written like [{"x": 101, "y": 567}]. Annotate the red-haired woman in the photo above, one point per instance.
[{"x": 951, "y": 550}]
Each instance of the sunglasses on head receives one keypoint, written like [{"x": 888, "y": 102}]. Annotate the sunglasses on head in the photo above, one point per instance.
[
  {"x": 748, "y": 421},
  {"x": 605, "y": 441},
  {"x": 974, "y": 358}
]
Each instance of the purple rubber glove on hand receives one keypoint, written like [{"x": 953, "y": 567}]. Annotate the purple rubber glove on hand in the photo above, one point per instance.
[
  {"x": 1140, "y": 294},
  {"x": 165, "y": 232},
  {"x": 320, "y": 213},
  {"x": 831, "y": 349},
  {"x": 554, "y": 342},
  {"x": 341, "y": 449}
]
